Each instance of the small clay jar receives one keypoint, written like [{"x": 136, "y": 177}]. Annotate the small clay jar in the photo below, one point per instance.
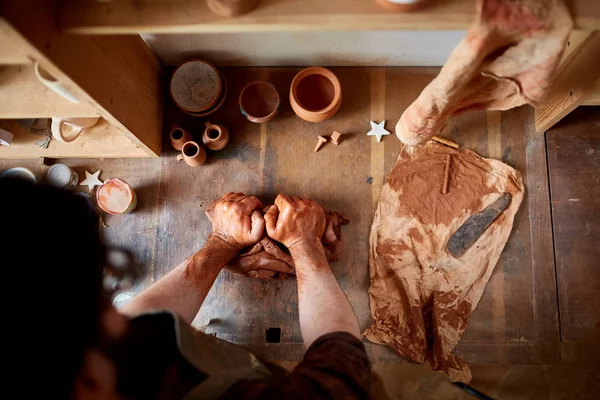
[
  {"x": 231, "y": 8},
  {"x": 259, "y": 102},
  {"x": 402, "y": 6},
  {"x": 215, "y": 137},
  {"x": 193, "y": 154},
  {"x": 316, "y": 94},
  {"x": 178, "y": 137}
]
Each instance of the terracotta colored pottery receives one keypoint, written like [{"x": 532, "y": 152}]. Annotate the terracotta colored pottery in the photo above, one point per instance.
[
  {"x": 116, "y": 196},
  {"x": 195, "y": 86},
  {"x": 193, "y": 154},
  {"x": 231, "y": 8},
  {"x": 218, "y": 104},
  {"x": 215, "y": 137},
  {"x": 178, "y": 137},
  {"x": 316, "y": 94},
  {"x": 402, "y": 5},
  {"x": 259, "y": 102}
]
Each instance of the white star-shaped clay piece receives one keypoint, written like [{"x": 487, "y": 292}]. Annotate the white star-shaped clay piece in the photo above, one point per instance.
[
  {"x": 378, "y": 130},
  {"x": 91, "y": 180}
]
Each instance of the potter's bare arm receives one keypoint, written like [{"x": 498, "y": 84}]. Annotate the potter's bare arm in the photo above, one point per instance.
[
  {"x": 323, "y": 307},
  {"x": 236, "y": 224}
]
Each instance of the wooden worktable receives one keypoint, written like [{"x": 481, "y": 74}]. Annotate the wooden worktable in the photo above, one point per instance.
[{"x": 516, "y": 320}]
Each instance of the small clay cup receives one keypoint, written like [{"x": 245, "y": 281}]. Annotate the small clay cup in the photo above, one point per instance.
[
  {"x": 179, "y": 137},
  {"x": 316, "y": 94},
  {"x": 193, "y": 154},
  {"x": 259, "y": 102},
  {"x": 406, "y": 6},
  {"x": 215, "y": 137}
]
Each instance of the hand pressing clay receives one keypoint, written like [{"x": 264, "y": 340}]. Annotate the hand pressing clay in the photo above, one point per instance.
[{"x": 269, "y": 259}]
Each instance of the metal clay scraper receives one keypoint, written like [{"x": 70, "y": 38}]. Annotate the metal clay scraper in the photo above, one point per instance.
[{"x": 475, "y": 226}]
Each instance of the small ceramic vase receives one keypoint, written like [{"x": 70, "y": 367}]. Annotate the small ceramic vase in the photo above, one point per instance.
[
  {"x": 316, "y": 94},
  {"x": 259, "y": 102},
  {"x": 179, "y": 136},
  {"x": 193, "y": 154},
  {"x": 215, "y": 137},
  {"x": 231, "y": 8}
]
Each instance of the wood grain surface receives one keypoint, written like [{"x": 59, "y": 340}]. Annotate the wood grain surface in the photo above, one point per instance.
[
  {"x": 516, "y": 320},
  {"x": 574, "y": 166}
]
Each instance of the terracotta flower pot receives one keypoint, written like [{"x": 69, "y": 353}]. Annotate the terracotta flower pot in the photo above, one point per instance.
[
  {"x": 215, "y": 137},
  {"x": 402, "y": 6},
  {"x": 178, "y": 137},
  {"x": 316, "y": 94},
  {"x": 193, "y": 154},
  {"x": 259, "y": 102}
]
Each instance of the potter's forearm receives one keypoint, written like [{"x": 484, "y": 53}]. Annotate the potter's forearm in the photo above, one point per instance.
[
  {"x": 184, "y": 289},
  {"x": 323, "y": 306}
]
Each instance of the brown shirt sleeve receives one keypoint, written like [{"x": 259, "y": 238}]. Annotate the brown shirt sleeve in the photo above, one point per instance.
[{"x": 335, "y": 366}]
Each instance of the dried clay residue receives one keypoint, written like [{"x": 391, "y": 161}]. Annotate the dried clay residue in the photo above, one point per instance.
[{"x": 421, "y": 296}]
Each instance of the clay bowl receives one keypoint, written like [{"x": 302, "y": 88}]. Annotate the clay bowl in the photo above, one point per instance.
[
  {"x": 217, "y": 105},
  {"x": 259, "y": 102},
  {"x": 195, "y": 86},
  {"x": 316, "y": 94}
]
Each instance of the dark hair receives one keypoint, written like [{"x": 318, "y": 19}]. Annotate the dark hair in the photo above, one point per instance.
[{"x": 52, "y": 262}]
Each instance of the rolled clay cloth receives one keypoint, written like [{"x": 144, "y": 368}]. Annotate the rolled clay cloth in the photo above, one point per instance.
[
  {"x": 269, "y": 259},
  {"x": 422, "y": 297},
  {"x": 508, "y": 58}
]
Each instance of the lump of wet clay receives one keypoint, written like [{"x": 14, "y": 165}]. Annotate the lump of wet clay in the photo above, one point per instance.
[
  {"x": 269, "y": 259},
  {"x": 421, "y": 297}
]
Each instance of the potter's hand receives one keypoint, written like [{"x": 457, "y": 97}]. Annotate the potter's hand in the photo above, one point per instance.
[
  {"x": 294, "y": 220},
  {"x": 237, "y": 220}
]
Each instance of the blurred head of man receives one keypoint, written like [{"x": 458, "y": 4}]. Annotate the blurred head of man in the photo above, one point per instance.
[{"x": 58, "y": 322}]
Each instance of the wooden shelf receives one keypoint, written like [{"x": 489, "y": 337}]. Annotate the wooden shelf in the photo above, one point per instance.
[
  {"x": 100, "y": 141},
  {"x": 22, "y": 95},
  {"x": 184, "y": 16}
]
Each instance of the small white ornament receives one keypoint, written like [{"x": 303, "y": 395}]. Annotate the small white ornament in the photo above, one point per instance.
[
  {"x": 91, "y": 180},
  {"x": 378, "y": 130}
]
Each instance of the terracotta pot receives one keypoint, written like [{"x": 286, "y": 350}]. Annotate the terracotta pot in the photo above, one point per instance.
[
  {"x": 193, "y": 154},
  {"x": 402, "y": 5},
  {"x": 215, "y": 137},
  {"x": 231, "y": 8},
  {"x": 178, "y": 137},
  {"x": 116, "y": 196},
  {"x": 195, "y": 85},
  {"x": 316, "y": 94},
  {"x": 218, "y": 104},
  {"x": 259, "y": 102}
]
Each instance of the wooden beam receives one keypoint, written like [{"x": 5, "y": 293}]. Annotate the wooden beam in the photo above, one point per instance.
[
  {"x": 577, "y": 80},
  {"x": 118, "y": 75},
  {"x": 185, "y": 16}
]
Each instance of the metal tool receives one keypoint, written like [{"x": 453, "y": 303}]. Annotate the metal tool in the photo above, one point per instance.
[{"x": 475, "y": 226}]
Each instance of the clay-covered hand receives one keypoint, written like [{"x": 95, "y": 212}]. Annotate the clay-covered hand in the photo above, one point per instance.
[
  {"x": 294, "y": 220},
  {"x": 236, "y": 218}
]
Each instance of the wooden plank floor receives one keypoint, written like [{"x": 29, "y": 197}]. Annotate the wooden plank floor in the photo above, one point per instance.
[
  {"x": 574, "y": 164},
  {"x": 516, "y": 321}
]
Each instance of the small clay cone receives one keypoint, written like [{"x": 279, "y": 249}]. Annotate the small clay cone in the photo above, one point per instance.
[
  {"x": 193, "y": 154},
  {"x": 215, "y": 137},
  {"x": 179, "y": 137}
]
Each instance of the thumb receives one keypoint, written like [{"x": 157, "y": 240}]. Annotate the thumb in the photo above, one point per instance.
[
  {"x": 258, "y": 226},
  {"x": 271, "y": 220}
]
